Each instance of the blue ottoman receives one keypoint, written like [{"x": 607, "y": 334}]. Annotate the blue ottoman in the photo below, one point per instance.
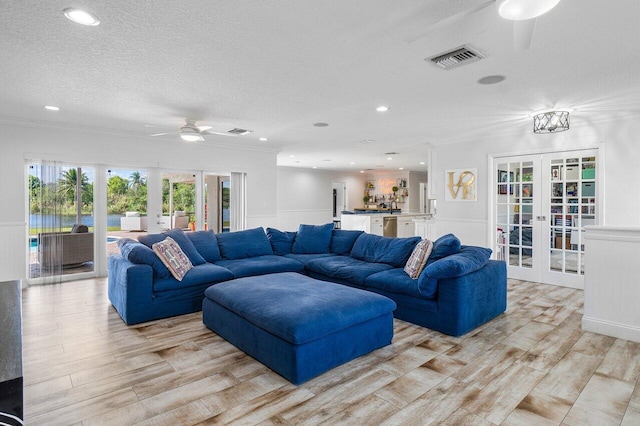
[{"x": 298, "y": 326}]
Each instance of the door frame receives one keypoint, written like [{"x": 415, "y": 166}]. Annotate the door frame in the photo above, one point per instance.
[{"x": 491, "y": 199}]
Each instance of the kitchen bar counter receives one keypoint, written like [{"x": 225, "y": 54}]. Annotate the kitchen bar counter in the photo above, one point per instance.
[{"x": 377, "y": 222}]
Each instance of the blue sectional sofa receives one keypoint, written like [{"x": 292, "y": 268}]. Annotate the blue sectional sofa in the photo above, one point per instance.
[{"x": 459, "y": 289}]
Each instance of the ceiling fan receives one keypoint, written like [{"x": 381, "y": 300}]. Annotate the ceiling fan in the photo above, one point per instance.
[
  {"x": 523, "y": 13},
  {"x": 192, "y": 133}
]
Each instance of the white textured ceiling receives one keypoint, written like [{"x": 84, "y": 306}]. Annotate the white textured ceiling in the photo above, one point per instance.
[{"x": 277, "y": 67}]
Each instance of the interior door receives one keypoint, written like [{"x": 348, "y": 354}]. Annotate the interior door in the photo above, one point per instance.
[
  {"x": 517, "y": 189},
  {"x": 571, "y": 203},
  {"x": 542, "y": 204}
]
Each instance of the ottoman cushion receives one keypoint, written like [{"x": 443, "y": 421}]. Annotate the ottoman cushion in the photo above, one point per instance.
[{"x": 296, "y": 325}]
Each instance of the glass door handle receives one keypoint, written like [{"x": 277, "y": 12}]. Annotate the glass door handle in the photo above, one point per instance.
[{"x": 541, "y": 218}]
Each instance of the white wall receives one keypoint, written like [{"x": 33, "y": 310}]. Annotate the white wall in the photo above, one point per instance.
[
  {"x": 84, "y": 147},
  {"x": 305, "y": 195},
  {"x": 619, "y": 146}
]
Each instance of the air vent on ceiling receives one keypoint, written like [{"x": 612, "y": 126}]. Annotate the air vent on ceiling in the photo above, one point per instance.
[
  {"x": 455, "y": 58},
  {"x": 237, "y": 131}
]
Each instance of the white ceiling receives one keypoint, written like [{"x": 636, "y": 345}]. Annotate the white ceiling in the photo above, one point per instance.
[{"x": 277, "y": 67}]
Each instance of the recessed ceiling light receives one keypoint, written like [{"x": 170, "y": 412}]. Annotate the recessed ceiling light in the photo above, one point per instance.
[
  {"x": 292, "y": 156},
  {"x": 314, "y": 167},
  {"x": 263, "y": 139},
  {"x": 389, "y": 158},
  {"x": 400, "y": 168},
  {"x": 422, "y": 162},
  {"x": 352, "y": 163},
  {"x": 81, "y": 17},
  {"x": 321, "y": 124},
  {"x": 382, "y": 108},
  {"x": 361, "y": 171},
  {"x": 492, "y": 79},
  {"x": 51, "y": 108}
]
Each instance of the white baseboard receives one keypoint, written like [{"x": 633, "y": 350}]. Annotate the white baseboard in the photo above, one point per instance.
[{"x": 609, "y": 328}]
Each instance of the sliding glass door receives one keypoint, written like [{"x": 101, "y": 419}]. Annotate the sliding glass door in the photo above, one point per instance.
[{"x": 61, "y": 221}]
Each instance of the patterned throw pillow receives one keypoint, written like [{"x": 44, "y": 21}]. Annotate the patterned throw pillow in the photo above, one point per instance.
[
  {"x": 173, "y": 257},
  {"x": 418, "y": 259}
]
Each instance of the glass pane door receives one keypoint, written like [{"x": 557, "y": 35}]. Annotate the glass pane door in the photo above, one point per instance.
[
  {"x": 515, "y": 188},
  {"x": 572, "y": 205},
  {"x": 542, "y": 205}
]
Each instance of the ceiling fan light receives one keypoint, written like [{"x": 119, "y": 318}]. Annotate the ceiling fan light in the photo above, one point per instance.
[
  {"x": 191, "y": 137},
  {"x": 518, "y": 10}
]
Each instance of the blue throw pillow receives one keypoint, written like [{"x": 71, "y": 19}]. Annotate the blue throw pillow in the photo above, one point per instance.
[
  {"x": 392, "y": 251},
  {"x": 444, "y": 246},
  {"x": 312, "y": 239},
  {"x": 281, "y": 241},
  {"x": 186, "y": 245},
  {"x": 207, "y": 245},
  {"x": 468, "y": 259},
  {"x": 342, "y": 240},
  {"x": 140, "y": 254},
  {"x": 243, "y": 244},
  {"x": 150, "y": 239}
]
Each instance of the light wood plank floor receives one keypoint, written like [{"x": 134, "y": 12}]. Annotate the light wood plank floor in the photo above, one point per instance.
[{"x": 531, "y": 366}]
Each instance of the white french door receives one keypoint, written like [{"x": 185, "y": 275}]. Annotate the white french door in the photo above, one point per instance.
[{"x": 542, "y": 204}]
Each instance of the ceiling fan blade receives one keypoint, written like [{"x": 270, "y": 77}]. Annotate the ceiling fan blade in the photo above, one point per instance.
[
  {"x": 451, "y": 20},
  {"x": 523, "y": 34},
  {"x": 211, "y": 132},
  {"x": 203, "y": 128},
  {"x": 162, "y": 134}
]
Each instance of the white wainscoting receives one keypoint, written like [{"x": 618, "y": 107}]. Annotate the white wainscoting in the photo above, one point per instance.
[
  {"x": 611, "y": 281},
  {"x": 470, "y": 232},
  {"x": 265, "y": 221},
  {"x": 13, "y": 251},
  {"x": 289, "y": 220}
]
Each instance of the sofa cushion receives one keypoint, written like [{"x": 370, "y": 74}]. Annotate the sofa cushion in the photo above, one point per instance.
[
  {"x": 374, "y": 248},
  {"x": 207, "y": 273},
  {"x": 243, "y": 244},
  {"x": 305, "y": 258},
  {"x": 346, "y": 268},
  {"x": 393, "y": 281},
  {"x": 207, "y": 245},
  {"x": 179, "y": 237},
  {"x": 79, "y": 228},
  {"x": 186, "y": 245},
  {"x": 150, "y": 239},
  {"x": 173, "y": 257},
  {"x": 444, "y": 246},
  {"x": 313, "y": 239},
  {"x": 469, "y": 259},
  {"x": 140, "y": 254},
  {"x": 281, "y": 241},
  {"x": 342, "y": 240},
  {"x": 418, "y": 259},
  {"x": 259, "y": 265}
]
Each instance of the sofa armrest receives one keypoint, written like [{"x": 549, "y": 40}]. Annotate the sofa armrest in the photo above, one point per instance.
[
  {"x": 466, "y": 261},
  {"x": 130, "y": 286},
  {"x": 473, "y": 299}
]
